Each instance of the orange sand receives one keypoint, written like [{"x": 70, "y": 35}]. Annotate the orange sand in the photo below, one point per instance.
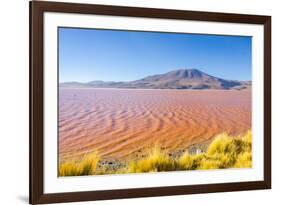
[{"x": 118, "y": 123}]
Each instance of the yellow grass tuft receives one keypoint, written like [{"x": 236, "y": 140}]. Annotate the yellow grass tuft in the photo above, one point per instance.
[
  {"x": 68, "y": 169},
  {"x": 156, "y": 161},
  {"x": 189, "y": 162},
  {"x": 224, "y": 152},
  {"x": 228, "y": 152},
  {"x": 244, "y": 160},
  {"x": 87, "y": 166}
]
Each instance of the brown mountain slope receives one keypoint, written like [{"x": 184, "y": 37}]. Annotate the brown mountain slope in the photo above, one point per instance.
[{"x": 176, "y": 79}]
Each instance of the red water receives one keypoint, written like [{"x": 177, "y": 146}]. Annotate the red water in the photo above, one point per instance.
[{"x": 117, "y": 123}]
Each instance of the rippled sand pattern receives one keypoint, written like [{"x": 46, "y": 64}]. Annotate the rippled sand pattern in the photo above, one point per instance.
[{"x": 119, "y": 123}]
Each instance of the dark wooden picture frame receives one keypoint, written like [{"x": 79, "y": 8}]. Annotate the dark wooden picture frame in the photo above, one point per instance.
[{"x": 37, "y": 8}]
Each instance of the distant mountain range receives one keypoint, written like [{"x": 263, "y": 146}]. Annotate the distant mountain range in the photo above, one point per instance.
[{"x": 176, "y": 79}]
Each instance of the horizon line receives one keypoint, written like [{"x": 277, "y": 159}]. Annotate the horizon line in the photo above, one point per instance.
[{"x": 73, "y": 81}]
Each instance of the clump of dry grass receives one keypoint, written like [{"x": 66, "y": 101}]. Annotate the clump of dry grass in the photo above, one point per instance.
[
  {"x": 156, "y": 161},
  {"x": 86, "y": 166},
  {"x": 189, "y": 162},
  {"x": 224, "y": 152}
]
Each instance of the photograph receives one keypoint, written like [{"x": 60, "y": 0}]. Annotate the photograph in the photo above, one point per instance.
[
  {"x": 144, "y": 102},
  {"x": 129, "y": 102}
]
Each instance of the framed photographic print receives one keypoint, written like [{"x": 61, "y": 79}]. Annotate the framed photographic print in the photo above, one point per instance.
[{"x": 138, "y": 102}]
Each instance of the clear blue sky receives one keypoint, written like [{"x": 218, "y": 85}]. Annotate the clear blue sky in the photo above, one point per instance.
[{"x": 90, "y": 54}]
